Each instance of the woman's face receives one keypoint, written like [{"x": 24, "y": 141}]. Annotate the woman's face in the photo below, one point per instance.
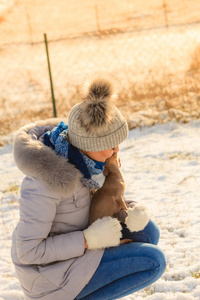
[{"x": 101, "y": 155}]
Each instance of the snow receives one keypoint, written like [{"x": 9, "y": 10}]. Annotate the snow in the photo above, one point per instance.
[{"x": 161, "y": 167}]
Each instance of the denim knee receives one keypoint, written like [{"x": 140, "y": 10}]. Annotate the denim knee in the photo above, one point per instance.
[
  {"x": 153, "y": 232},
  {"x": 162, "y": 266},
  {"x": 150, "y": 234},
  {"x": 159, "y": 257}
]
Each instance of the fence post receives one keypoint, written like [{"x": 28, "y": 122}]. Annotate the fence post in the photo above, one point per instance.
[
  {"x": 50, "y": 76},
  {"x": 165, "y": 13}
]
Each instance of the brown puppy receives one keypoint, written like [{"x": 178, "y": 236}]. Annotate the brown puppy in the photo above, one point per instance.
[{"x": 108, "y": 200}]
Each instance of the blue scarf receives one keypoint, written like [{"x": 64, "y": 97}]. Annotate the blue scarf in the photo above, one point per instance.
[{"x": 92, "y": 170}]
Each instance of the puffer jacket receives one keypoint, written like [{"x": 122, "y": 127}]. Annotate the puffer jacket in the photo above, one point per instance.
[{"x": 48, "y": 243}]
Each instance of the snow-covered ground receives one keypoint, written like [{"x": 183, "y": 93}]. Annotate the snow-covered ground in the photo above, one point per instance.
[{"x": 161, "y": 166}]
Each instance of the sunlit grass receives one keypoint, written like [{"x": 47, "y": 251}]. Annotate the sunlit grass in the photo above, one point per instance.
[{"x": 12, "y": 188}]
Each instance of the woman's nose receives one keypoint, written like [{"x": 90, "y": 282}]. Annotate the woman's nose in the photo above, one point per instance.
[{"x": 116, "y": 149}]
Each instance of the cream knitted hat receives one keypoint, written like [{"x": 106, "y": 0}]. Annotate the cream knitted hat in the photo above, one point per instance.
[{"x": 95, "y": 124}]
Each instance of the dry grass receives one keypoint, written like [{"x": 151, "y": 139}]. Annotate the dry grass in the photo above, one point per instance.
[
  {"x": 168, "y": 96},
  {"x": 195, "y": 274},
  {"x": 14, "y": 188},
  {"x": 162, "y": 94},
  {"x": 72, "y": 17},
  {"x": 167, "y": 93},
  {"x": 195, "y": 62}
]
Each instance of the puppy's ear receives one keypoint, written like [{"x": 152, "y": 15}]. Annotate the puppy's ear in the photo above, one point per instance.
[
  {"x": 105, "y": 171},
  {"x": 119, "y": 163}
]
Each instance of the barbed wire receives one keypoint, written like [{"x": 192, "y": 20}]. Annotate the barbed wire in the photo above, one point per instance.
[
  {"x": 104, "y": 33},
  {"x": 151, "y": 66}
]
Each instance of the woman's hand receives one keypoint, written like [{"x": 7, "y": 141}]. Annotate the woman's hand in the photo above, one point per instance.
[
  {"x": 85, "y": 243},
  {"x": 138, "y": 217},
  {"x": 103, "y": 233}
]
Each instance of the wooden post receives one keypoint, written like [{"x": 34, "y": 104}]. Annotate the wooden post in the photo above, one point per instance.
[
  {"x": 165, "y": 13},
  {"x": 50, "y": 76}
]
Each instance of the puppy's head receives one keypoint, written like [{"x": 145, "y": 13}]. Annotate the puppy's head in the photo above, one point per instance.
[{"x": 113, "y": 161}]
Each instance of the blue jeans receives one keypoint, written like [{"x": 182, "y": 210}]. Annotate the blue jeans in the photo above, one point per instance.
[{"x": 128, "y": 268}]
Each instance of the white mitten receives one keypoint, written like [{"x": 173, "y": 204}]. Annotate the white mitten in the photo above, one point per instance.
[
  {"x": 103, "y": 233},
  {"x": 138, "y": 217}
]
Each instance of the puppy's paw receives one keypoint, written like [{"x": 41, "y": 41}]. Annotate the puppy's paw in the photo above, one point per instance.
[{"x": 138, "y": 217}]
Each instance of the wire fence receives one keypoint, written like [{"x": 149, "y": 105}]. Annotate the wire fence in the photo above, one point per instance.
[{"x": 149, "y": 66}]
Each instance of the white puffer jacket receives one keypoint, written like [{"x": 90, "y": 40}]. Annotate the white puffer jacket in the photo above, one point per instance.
[{"x": 48, "y": 243}]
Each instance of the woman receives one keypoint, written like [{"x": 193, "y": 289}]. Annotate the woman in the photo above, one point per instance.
[{"x": 56, "y": 255}]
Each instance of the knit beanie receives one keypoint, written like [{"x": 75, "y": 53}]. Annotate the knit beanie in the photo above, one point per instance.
[{"x": 95, "y": 124}]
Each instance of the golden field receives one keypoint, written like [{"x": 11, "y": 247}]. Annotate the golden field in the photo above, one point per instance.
[{"x": 150, "y": 48}]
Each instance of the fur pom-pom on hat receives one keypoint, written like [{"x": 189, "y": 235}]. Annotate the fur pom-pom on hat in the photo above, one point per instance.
[
  {"x": 95, "y": 124},
  {"x": 96, "y": 109}
]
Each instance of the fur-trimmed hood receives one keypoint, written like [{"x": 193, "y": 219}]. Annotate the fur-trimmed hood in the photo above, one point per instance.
[{"x": 35, "y": 159}]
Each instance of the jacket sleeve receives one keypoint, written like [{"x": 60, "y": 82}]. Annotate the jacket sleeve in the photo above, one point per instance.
[{"x": 33, "y": 243}]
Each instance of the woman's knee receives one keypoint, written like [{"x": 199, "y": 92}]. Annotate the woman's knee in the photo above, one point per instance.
[
  {"x": 152, "y": 253},
  {"x": 156, "y": 254},
  {"x": 152, "y": 232}
]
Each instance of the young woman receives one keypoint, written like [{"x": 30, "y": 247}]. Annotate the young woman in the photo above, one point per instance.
[{"x": 56, "y": 255}]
